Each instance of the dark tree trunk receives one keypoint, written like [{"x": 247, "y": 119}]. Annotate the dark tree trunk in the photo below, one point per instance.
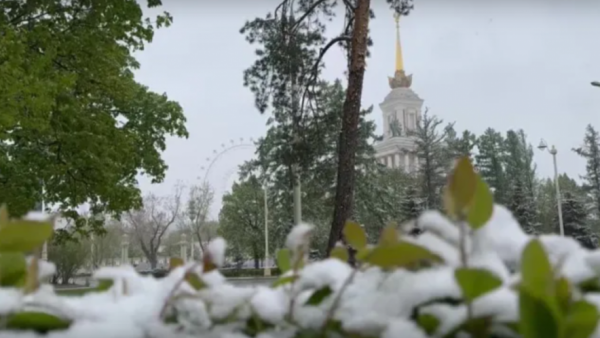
[
  {"x": 153, "y": 262},
  {"x": 348, "y": 142}
]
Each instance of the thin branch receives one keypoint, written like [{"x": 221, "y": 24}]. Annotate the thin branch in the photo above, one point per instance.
[
  {"x": 315, "y": 71},
  {"x": 305, "y": 15},
  {"x": 349, "y": 5}
]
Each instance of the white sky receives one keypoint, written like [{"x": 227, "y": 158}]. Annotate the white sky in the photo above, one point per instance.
[{"x": 502, "y": 64}]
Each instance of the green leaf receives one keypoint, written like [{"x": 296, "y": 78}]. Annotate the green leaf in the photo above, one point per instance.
[
  {"x": 24, "y": 236},
  {"x": 590, "y": 285},
  {"x": 482, "y": 207},
  {"x": 36, "y": 321},
  {"x": 537, "y": 319},
  {"x": 340, "y": 253},
  {"x": 536, "y": 270},
  {"x": 355, "y": 235},
  {"x": 195, "y": 281},
  {"x": 319, "y": 296},
  {"x": 581, "y": 320},
  {"x": 389, "y": 236},
  {"x": 13, "y": 269},
  {"x": 284, "y": 260},
  {"x": 463, "y": 184},
  {"x": 563, "y": 293},
  {"x": 428, "y": 323},
  {"x": 402, "y": 254},
  {"x": 175, "y": 262},
  {"x": 476, "y": 282},
  {"x": 284, "y": 280},
  {"x": 363, "y": 253}
]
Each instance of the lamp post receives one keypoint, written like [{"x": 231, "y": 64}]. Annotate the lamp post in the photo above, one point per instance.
[
  {"x": 543, "y": 146},
  {"x": 596, "y": 83},
  {"x": 125, "y": 249},
  {"x": 267, "y": 267}
]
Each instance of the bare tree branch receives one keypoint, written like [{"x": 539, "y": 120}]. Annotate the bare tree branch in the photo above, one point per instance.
[{"x": 149, "y": 224}]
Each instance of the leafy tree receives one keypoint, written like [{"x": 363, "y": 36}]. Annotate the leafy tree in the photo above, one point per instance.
[
  {"x": 590, "y": 151},
  {"x": 106, "y": 247},
  {"x": 75, "y": 126},
  {"x": 575, "y": 219},
  {"x": 489, "y": 162},
  {"x": 242, "y": 220},
  {"x": 432, "y": 159},
  {"x": 519, "y": 189},
  {"x": 68, "y": 256}
]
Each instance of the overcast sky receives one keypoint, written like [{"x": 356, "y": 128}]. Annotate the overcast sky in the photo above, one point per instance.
[{"x": 502, "y": 64}]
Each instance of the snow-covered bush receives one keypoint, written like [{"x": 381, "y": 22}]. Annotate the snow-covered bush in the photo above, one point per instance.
[{"x": 472, "y": 273}]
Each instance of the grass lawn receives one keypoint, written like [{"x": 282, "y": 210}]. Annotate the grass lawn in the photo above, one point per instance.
[{"x": 72, "y": 292}]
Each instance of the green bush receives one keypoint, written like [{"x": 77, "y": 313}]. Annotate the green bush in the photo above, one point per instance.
[
  {"x": 452, "y": 281},
  {"x": 237, "y": 273}
]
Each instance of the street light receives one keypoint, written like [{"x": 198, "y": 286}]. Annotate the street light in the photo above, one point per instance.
[
  {"x": 543, "y": 146},
  {"x": 596, "y": 83},
  {"x": 266, "y": 265}
]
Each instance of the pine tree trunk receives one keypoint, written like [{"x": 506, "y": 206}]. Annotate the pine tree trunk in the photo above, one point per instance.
[{"x": 348, "y": 142}]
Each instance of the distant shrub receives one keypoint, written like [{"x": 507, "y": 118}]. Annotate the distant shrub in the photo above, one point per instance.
[{"x": 451, "y": 281}]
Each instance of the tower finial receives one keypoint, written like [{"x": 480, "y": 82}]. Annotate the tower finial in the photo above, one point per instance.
[
  {"x": 399, "y": 60},
  {"x": 400, "y": 79}
]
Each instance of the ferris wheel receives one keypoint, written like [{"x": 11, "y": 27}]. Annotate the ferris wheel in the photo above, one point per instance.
[{"x": 211, "y": 163}]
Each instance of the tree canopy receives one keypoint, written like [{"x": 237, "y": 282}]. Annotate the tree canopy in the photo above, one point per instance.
[{"x": 75, "y": 126}]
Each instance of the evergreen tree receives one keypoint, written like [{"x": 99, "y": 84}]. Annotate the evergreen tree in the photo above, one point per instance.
[
  {"x": 575, "y": 219},
  {"x": 458, "y": 146},
  {"x": 411, "y": 204},
  {"x": 433, "y": 161},
  {"x": 545, "y": 197},
  {"x": 519, "y": 189},
  {"x": 489, "y": 162},
  {"x": 590, "y": 151}
]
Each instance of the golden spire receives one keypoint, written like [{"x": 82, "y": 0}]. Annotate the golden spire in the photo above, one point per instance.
[
  {"x": 400, "y": 79},
  {"x": 399, "y": 60}
]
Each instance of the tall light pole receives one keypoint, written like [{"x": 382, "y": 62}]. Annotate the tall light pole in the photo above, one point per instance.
[
  {"x": 266, "y": 265},
  {"x": 596, "y": 83},
  {"x": 553, "y": 151}
]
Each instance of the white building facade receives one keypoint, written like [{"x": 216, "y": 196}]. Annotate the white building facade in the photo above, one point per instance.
[{"x": 401, "y": 109}]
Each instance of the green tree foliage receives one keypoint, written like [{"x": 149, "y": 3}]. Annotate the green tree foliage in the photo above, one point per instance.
[
  {"x": 590, "y": 151},
  {"x": 242, "y": 219},
  {"x": 72, "y": 116},
  {"x": 411, "y": 204},
  {"x": 433, "y": 162},
  {"x": 519, "y": 188},
  {"x": 489, "y": 162},
  {"x": 69, "y": 256},
  {"x": 459, "y": 145},
  {"x": 319, "y": 163},
  {"x": 545, "y": 197},
  {"x": 575, "y": 219},
  {"x": 379, "y": 199}
]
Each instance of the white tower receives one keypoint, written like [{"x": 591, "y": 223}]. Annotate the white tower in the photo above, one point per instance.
[{"x": 401, "y": 110}]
